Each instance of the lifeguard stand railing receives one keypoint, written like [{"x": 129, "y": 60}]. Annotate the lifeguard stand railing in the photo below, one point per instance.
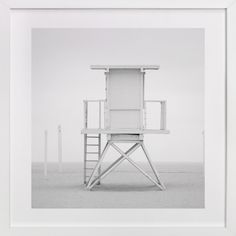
[{"x": 101, "y": 103}]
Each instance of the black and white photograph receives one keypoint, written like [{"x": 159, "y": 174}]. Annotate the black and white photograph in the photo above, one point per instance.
[{"x": 117, "y": 118}]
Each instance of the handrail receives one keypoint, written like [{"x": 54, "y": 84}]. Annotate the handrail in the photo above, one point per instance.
[
  {"x": 163, "y": 113},
  {"x": 100, "y": 101}
]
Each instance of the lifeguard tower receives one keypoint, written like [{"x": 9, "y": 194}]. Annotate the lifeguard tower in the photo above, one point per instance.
[{"x": 124, "y": 121}]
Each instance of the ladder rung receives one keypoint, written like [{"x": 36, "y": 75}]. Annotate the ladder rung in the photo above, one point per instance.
[
  {"x": 91, "y": 160},
  {"x": 92, "y": 152},
  {"x": 92, "y": 145},
  {"x": 92, "y": 136}
]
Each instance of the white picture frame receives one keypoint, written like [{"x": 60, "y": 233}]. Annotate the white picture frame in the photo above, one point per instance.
[{"x": 229, "y": 228}]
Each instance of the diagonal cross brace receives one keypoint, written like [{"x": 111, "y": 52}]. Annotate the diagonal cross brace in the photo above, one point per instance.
[
  {"x": 124, "y": 156},
  {"x": 137, "y": 166},
  {"x": 113, "y": 165},
  {"x": 152, "y": 166}
]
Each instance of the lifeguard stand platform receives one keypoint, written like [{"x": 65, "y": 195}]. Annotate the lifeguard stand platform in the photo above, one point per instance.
[{"x": 124, "y": 121}]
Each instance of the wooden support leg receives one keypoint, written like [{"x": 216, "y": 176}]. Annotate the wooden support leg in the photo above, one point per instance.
[
  {"x": 136, "y": 165},
  {"x": 114, "y": 165},
  {"x": 152, "y": 166},
  {"x": 99, "y": 163}
]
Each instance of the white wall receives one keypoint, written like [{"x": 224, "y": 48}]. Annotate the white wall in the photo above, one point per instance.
[{"x": 61, "y": 80}]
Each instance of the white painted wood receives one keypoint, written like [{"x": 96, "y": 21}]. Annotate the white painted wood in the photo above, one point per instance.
[
  {"x": 142, "y": 81},
  {"x": 98, "y": 163},
  {"x": 100, "y": 115},
  {"x": 124, "y": 107},
  {"x": 145, "y": 115},
  {"x": 138, "y": 4},
  {"x": 125, "y": 119},
  {"x": 137, "y": 166},
  {"x": 86, "y": 111},
  {"x": 124, "y": 89},
  {"x": 114, "y": 165},
  {"x": 124, "y": 155},
  {"x": 107, "y": 111},
  {"x": 122, "y": 67},
  {"x": 124, "y": 137},
  {"x": 152, "y": 166},
  {"x": 6, "y": 131},
  {"x": 231, "y": 120},
  {"x": 124, "y": 86},
  {"x": 163, "y": 115},
  {"x": 163, "y": 112},
  {"x": 85, "y": 114}
]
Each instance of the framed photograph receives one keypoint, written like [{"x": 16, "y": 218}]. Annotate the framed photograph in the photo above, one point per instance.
[{"x": 118, "y": 117}]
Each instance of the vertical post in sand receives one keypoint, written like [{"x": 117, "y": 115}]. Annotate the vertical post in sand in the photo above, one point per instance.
[
  {"x": 59, "y": 136},
  {"x": 45, "y": 153}
]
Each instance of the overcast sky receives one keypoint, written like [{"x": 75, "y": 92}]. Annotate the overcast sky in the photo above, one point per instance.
[{"x": 62, "y": 79}]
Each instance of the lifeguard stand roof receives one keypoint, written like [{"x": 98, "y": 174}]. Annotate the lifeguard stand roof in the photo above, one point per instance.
[{"x": 142, "y": 67}]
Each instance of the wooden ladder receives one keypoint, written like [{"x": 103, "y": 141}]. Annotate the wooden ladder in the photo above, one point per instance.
[{"x": 91, "y": 157}]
